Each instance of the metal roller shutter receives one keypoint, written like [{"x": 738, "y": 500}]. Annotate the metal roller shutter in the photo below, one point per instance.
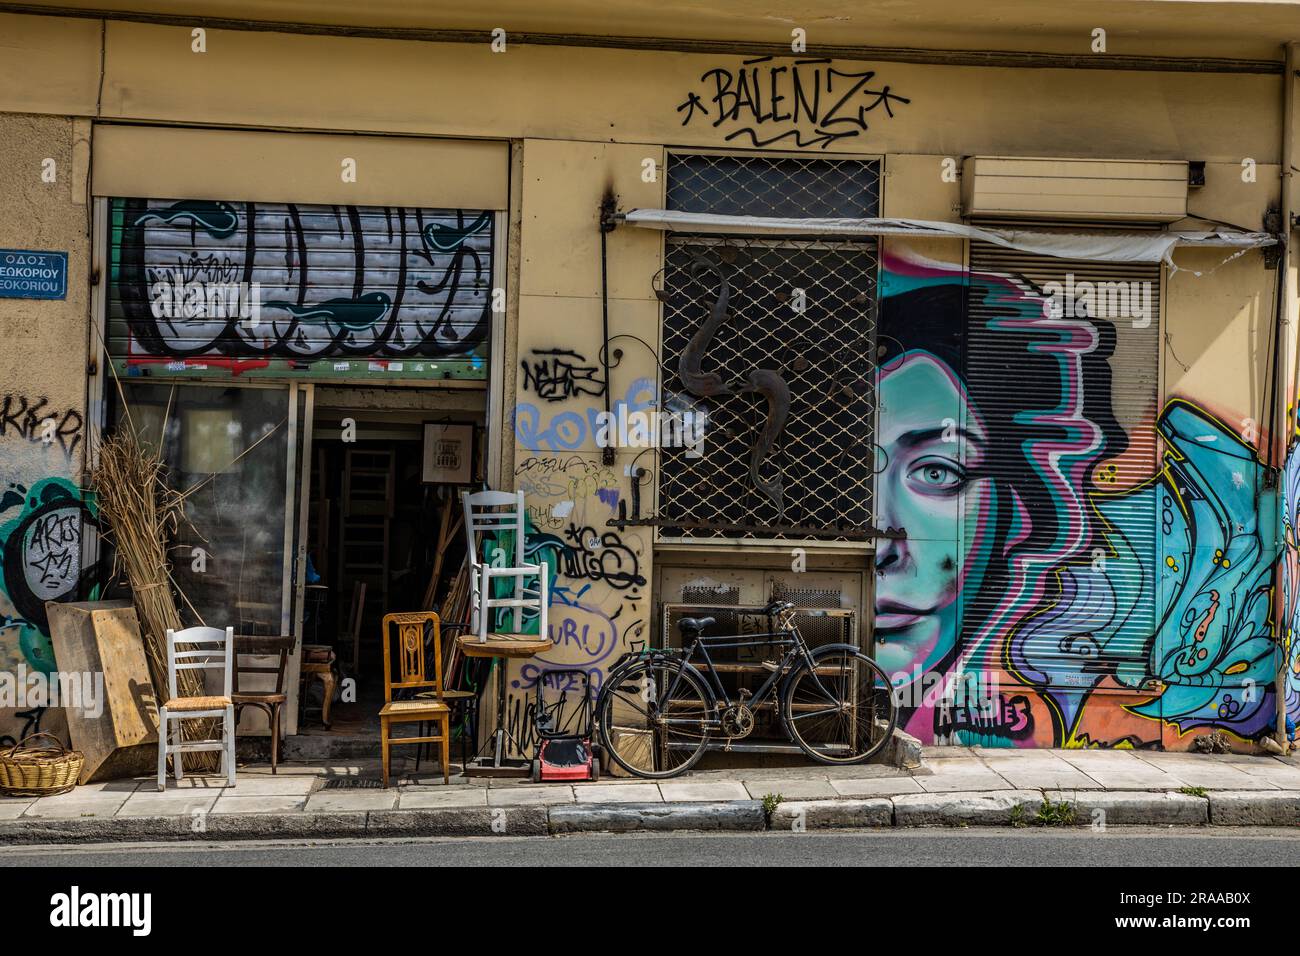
[
  {"x": 387, "y": 292},
  {"x": 1070, "y": 408}
]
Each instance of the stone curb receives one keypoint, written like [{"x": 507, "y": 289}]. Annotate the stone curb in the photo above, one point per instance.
[
  {"x": 1102, "y": 808},
  {"x": 963, "y": 808},
  {"x": 972, "y": 808},
  {"x": 95, "y": 830},
  {"x": 833, "y": 814},
  {"x": 459, "y": 821},
  {"x": 271, "y": 826},
  {"x": 1254, "y": 808},
  {"x": 629, "y": 817}
]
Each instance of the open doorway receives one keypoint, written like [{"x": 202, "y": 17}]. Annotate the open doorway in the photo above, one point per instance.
[{"x": 384, "y": 534}]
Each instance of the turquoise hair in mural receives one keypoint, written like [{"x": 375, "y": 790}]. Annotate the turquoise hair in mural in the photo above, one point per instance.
[{"x": 1212, "y": 652}]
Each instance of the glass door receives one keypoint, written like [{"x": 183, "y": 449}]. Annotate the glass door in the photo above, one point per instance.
[
  {"x": 227, "y": 452},
  {"x": 297, "y": 496}
]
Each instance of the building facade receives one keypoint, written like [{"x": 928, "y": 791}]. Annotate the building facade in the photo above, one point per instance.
[{"x": 744, "y": 316}]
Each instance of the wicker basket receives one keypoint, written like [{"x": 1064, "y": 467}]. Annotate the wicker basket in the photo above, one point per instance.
[{"x": 39, "y": 771}]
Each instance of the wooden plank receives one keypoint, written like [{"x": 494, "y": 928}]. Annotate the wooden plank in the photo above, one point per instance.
[{"x": 103, "y": 637}]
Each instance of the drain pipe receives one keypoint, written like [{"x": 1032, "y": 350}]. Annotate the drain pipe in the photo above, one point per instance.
[
  {"x": 1279, "y": 443},
  {"x": 608, "y": 221}
]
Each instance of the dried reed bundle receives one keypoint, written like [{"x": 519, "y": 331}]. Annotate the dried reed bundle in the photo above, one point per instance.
[{"x": 142, "y": 513}]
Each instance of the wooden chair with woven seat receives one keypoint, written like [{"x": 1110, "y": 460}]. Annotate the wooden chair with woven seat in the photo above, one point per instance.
[
  {"x": 408, "y": 630},
  {"x": 466, "y": 700},
  {"x": 198, "y": 656},
  {"x": 272, "y": 700}
]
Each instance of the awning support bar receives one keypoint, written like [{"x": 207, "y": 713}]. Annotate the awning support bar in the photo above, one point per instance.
[{"x": 1097, "y": 245}]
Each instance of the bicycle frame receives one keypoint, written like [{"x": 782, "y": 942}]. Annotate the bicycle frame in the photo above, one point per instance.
[
  {"x": 789, "y": 638},
  {"x": 696, "y": 715},
  {"x": 707, "y": 709}
]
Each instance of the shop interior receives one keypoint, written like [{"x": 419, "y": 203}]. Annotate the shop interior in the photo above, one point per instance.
[{"x": 376, "y": 497}]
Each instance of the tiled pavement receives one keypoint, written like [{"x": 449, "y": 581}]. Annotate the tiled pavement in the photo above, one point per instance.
[{"x": 302, "y": 788}]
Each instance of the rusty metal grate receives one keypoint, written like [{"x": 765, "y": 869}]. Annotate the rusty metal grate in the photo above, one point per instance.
[
  {"x": 352, "y": 783},
  {"x": 807, "y": 597},
  {"x": 705, "y": 595},
  {"x": 819, "y": 626},
  {"x": 822, "y": 344}
]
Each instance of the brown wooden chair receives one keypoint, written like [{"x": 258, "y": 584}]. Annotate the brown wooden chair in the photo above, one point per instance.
[
  {"x": 408, "y": 630},
  {"x": 270, "y": 702},
  {"x": 466, "y": 699},
  {"x": 319, "y": 662},
  {"x": 357, "y": 611}
]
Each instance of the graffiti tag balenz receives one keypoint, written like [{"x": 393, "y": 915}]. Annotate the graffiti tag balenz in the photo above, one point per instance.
[{"x": 808, "y": 101}]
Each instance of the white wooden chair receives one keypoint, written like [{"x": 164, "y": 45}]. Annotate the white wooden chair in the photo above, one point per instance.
[
  {"x": 214, "y": 651},
  {"x": 496, "y": 511}
]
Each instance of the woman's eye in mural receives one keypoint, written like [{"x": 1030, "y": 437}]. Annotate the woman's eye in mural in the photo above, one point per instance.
[{"x": 936, "y": 476}]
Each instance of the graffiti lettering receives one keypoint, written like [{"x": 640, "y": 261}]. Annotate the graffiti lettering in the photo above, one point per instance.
[
  {"x": 31, "y": 725},
  {"x": 571, "y": 478},
  {"x": 26, "y": 418},
  {"x": 808, "y": 102},
  {"x": 558, "y": 374},
  {"x": 569, "y": 430},
  {"x": 40, "y": 560},
  {"x": 1009, "y": 718},
  {"x": 415, "y": 281},
  {"x": 52, "y": 554},
  {"x": 601, "y": 557}
]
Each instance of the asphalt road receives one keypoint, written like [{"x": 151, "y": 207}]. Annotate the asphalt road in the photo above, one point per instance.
[{"x": 1130, "y": 846}]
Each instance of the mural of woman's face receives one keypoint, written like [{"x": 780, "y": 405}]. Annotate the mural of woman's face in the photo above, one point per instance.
[{"x": 931, "y": 445}]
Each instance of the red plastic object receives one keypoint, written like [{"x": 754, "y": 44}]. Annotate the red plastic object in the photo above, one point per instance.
[{"x": 565, "y": 758}]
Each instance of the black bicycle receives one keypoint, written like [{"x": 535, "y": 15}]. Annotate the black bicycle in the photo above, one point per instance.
[{"x": 658, "y": 712}]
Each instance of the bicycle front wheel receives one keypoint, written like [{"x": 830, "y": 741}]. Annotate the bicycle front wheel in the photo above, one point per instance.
[
  {"x": 655, "y": 717},
  {"x": 841, "y": 709}
]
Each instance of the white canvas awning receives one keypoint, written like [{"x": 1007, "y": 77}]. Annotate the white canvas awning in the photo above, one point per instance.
[{"x": 1097, "y": 245}]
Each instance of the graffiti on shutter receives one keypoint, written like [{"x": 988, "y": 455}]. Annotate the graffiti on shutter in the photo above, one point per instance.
[
  {"x": 221, "y": 288},
  {"x": 1064, "y": 580}
]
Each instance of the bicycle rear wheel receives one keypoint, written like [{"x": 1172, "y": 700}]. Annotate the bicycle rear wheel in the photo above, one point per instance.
[
  {"x": 842, "y": 709},
  {"x": 654, "y": 717}
]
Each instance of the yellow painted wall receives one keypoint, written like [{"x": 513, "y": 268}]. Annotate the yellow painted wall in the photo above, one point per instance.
[
  {"x": 583, "y": 122},
  {"x": 42, "y": 383},
  {"x": 604, "y": 95},
  {"x": 571, "y": 491}
]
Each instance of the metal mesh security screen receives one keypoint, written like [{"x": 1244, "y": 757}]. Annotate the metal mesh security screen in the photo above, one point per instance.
[
  {"x": 795, "y": 186},
  {"x": 784, "y": 368},
  {"x": 805, "y": 311}
]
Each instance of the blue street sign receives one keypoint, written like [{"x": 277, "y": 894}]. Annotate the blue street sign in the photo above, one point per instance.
[{"x": 33, "y": 275}]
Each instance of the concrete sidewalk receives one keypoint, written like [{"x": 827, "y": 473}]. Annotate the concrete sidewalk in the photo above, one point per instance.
[{"x": 954, "y": 786}]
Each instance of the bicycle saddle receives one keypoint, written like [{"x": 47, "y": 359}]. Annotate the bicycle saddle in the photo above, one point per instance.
[{"x": 693, "y": 625}]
